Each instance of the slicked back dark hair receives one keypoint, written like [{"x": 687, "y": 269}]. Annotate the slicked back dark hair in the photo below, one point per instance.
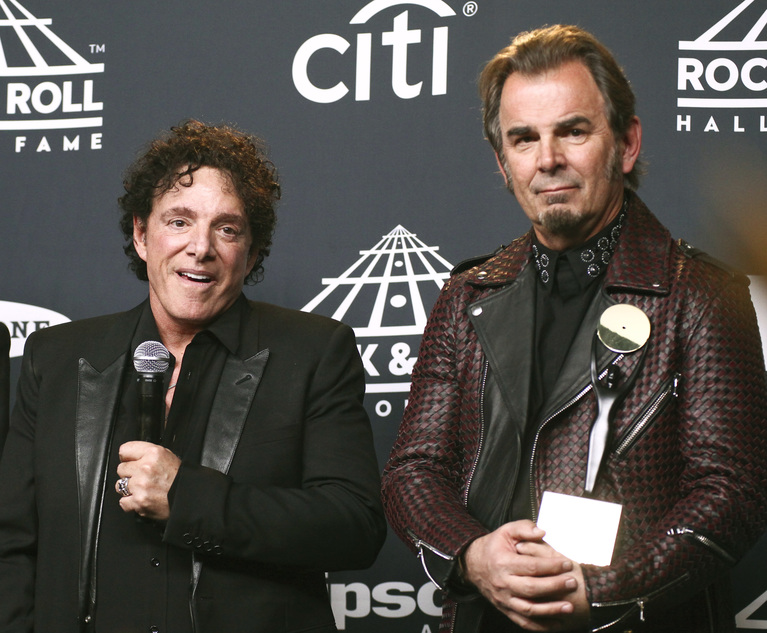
[
  {"x": 535, "y": 52},
  {"x": 172, "y": 159}
]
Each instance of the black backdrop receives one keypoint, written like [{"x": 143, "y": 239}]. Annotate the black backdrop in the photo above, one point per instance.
[{"x": 371, "y": 114}]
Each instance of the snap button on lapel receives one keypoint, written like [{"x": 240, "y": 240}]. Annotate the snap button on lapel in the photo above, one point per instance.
[{"x": 476, "y": 311}]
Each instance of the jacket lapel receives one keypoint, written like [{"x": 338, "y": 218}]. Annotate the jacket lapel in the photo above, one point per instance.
[
  {"x": 231, "y": 405},
  {"x": 576, "y": 369},
  {"x": 233, "y": 400},
  {"x": 504, "y": 323},
  {"x": 98, "y": 392}
]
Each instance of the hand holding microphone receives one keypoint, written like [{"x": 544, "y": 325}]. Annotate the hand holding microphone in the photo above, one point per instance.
[
  {"x": 150, "y": 360},
  {"x": 146, "y": 469}
]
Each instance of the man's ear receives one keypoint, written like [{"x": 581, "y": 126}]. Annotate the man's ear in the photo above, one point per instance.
[
  {"x": 139, "y": 237},
  {"x": 632, "y": 144},
  {"x": 503, "y": 170}
]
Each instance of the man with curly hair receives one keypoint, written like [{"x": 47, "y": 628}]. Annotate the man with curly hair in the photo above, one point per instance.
[{"x": 264, "y": 475}]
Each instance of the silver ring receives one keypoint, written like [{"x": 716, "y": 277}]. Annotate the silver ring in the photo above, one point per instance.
[{"x": 122, "y": 487}]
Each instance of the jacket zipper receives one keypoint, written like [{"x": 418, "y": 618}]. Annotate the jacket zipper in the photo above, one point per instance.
[
  {"x": 671, "y": 388},
  {"x": 473, "y": 470},
  {"x": 638, "y": 603},
  {"x": 421, "y": 544},
  {"x": 705, "y": 541},
  {"x": 566, "y": 405},
  {"x": 481, "y": 443}
]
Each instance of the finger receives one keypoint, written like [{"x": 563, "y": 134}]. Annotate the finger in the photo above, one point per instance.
[
  {"x": 522, "y": 530},
  {"x": 541, "y": 549},
  {"x": 125, "y": 469},
  {"x": 539, "y": 610},
  {"x": 539, "y": 566},
  {"x": 135, "y": 450},
  {"x": 542, "y": 589},
  {"x": 127, "y": 504}
]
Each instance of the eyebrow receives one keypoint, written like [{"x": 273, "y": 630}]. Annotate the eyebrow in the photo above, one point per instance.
[
  {"x": 566, "y": 124},
  {"x": 573, "y": 121},
  {"x": 522, "y": 130},
  {"x": 234, "y": 218}
]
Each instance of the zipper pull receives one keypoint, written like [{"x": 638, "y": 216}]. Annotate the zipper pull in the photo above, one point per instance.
[
  {"x": 675, "y": 389},
  {"x": 640, "y": 604}
]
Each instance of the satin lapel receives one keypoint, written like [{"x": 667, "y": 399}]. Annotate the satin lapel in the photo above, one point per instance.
[
  {"x": 234, "y": 396},
  {"x": 576, "y": 370},
  {"x": 505, "y": 326},
  {"x": 97, "y": 394}
]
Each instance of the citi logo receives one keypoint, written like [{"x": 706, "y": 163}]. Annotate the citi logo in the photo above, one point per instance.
[
  {"x": 48, "y": 84},
  {"x": 723, "y": 70},
  {"x": 401, "y": 39},
  {"x": 23, "y": 319}
]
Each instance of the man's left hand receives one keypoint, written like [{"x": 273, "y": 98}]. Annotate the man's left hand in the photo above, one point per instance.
[
  {"x": 578, "y": 618},
  {"x": 150, "y": 470}
]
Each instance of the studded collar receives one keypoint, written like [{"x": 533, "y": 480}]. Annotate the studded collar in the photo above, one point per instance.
[{"x": 588, "y": 261}]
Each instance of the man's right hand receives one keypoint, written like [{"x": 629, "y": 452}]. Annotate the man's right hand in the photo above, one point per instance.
[{"x": 540, "y": 592}]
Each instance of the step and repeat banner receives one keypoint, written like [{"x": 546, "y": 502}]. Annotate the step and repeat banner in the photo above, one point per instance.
[{"x": 371, "y": 114}]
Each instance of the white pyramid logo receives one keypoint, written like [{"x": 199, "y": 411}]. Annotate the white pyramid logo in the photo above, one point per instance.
[
  {"x": 392, "y": 276},
  {"x": 707, "y": 41},
  {"x": 743, "y": 619},
  {"x": 730, "y": 79},
  {"x": 383, "y": 296},
  {"x": 16, "y": 21}
]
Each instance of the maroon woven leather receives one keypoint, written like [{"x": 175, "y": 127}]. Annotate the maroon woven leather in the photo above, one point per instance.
[{"x": 693, "y": 486}]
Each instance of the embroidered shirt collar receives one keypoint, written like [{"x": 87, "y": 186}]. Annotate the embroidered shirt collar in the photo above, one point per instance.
[{"x": 589, "y": 260}]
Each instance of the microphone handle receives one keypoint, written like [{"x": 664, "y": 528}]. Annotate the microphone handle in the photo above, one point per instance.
[{"x": 151, "y": 407}]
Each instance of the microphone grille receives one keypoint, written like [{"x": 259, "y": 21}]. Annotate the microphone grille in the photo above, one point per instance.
[{"x": 151, "y": 357}]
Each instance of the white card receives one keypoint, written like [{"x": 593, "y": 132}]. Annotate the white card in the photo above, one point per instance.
[{"x": 583, "y": 530}]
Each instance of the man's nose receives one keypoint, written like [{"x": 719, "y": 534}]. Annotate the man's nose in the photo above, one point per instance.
[
  {"x": 201, "y": 245},
  {"x": 550, "y": 155}
]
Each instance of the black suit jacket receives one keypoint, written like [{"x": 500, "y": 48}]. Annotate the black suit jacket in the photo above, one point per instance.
[
  {"x": 5, "y": 381},
  {"x": 287, "y": 488}
]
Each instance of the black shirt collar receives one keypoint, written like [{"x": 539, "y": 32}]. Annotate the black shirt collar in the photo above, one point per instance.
[{"x": 226, "y": 328}]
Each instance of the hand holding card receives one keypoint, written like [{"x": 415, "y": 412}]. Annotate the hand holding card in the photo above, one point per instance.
[{"x": 583, "y": 530}]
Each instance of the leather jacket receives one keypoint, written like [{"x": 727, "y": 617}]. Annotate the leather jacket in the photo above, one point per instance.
[{"x": 686, "y": 455}]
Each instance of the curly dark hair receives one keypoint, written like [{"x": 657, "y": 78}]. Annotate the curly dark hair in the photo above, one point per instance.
[{"x": 176, "y": 155}]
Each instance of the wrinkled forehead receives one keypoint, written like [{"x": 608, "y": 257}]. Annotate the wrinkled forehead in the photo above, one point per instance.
[{"x": 564, "y": 91}]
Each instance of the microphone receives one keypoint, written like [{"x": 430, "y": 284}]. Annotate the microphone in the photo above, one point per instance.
[{"x": 150, "y": 360}]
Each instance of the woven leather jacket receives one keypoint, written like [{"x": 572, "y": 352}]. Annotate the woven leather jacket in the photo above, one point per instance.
[{"x": 687, "y": 452}]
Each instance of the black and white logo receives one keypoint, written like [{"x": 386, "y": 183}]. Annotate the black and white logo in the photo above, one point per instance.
[
  {"x": 386, "y": 296},
  {"x": 722, "y": 74},
  {"x": 23, "y": 319},
  {"x": 401, "y": 39},
  {"x": 48, "y": 84}
]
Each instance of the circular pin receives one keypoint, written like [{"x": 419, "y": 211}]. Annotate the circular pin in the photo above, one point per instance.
[{"x": 623, "y": 328}]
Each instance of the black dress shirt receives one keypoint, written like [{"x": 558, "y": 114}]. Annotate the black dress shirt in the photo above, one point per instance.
[
  {"x": 142, "y": 583},
  {"x": 567, "y": 284}
]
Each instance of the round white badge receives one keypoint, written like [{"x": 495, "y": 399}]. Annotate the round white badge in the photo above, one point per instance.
[{"x": 623, "y": 328}]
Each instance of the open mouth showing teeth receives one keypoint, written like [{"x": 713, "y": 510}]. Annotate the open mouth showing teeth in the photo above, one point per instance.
[{"x": 198, "y": 278}]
